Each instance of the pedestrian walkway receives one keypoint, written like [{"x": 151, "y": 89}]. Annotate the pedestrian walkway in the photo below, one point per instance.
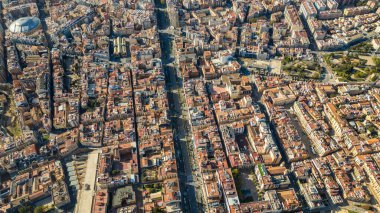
[{"x": 85, "y": 197}]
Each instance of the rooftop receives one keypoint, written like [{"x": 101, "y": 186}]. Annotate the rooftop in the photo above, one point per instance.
[{"x": 24, "y": 24}]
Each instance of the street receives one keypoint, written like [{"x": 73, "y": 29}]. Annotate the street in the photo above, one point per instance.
[
  {"x": 183, "y": 154},
  {"x": 329, "y": 76}
]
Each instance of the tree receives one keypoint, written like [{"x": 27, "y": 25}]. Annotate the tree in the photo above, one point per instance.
[
  {"x": 376, "y": 61},
  {"x": 45, "y": 137},
  {"x": 371, "y": 129},
  {"x": 25, "y": 209},
  {"x": 287, "y": 59},
  {"x": 115, "y": 172},
  {"x": 38, "y": 209},
  {"x": 235, "y": 172},
  {"x": 157, "y": 210},
  {"x": 373, "y": 78},
  {"x": 316, "y": 75}
]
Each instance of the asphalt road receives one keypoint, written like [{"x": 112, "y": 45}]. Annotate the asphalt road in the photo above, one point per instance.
[
  {"x": 329, "y": 76},
  {"x": 183, "y": 154}
]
